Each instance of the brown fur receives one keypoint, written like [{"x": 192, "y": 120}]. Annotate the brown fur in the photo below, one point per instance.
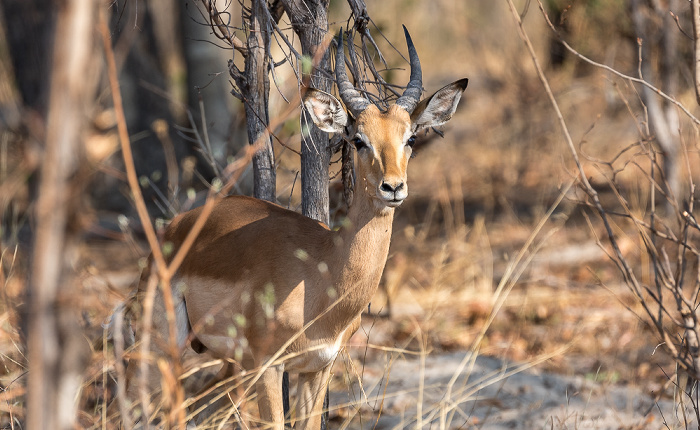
[{"x": 259, "y": 275}]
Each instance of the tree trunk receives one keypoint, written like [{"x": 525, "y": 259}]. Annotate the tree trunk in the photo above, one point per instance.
[
  {"x": 695, "y": 18},
  {"x": 669, "y": 79},
  {"x": 167, "y": 35},
  {"x": 57, "y": 352},
  {"x": 256, "y": 105},
  {"x": 310, "y": 21},
  {"x": 663, "y": 117},
  {"x": 29, "y": 25}
]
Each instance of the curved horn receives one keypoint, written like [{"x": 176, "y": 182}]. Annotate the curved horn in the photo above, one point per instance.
[
  {"x": 350, "y": 96},
  {"x": 414, "y": 89}
]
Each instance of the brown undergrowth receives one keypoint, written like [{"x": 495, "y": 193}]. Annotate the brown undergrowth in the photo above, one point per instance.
[{"x": 475, "y": 199}]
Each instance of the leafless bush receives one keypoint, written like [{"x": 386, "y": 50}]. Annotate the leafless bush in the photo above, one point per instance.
[{"x": 664, "y": 273}]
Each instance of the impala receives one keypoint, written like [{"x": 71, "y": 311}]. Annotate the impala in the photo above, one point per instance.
[{"x": 284, "y": 288}]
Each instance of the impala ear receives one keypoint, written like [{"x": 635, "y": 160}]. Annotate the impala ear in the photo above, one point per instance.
[
  {"x": 438, "y": 108},
  {"x": 325, "y": 111}
]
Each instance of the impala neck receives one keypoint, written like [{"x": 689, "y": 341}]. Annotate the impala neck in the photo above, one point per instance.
[{"x": 363, "y": 242}]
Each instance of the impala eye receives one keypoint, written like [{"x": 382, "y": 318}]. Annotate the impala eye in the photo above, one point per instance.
[
  {"x": 359, "y": 143},
  {"x": 411, "y": 141}
]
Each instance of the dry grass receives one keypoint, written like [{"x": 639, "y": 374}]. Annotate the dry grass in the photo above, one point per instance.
[
  {"x": 440, "y": 280},
  {"x": 476, "y": 198}
]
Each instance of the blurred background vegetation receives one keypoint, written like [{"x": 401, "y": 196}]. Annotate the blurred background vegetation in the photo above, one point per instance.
[{"x": 476, "y": 194}]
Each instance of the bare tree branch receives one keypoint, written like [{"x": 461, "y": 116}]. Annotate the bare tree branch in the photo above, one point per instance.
[
  {"x": 256, "y": 98},
  {"x": 221, "y": 29},
  {"x": 695, "y": 14}
]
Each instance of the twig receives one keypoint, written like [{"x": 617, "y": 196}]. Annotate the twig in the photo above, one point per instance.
[
  {"x": 613, "y": 71},
  {"x": 695, "y": 12},
  {"x": 125, "y": 146},
  {"x": 224, "y": 32},
  {"x": 683, "y": 349},
  {"x": 678, "y": 24}
]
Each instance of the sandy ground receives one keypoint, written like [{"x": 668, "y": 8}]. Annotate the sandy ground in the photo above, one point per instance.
[{"x": 492, "y": 394}]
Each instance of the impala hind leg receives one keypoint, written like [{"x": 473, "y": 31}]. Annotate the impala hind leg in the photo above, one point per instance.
[
  {"x": 311, "y": 395},
  {"x": 269, "y": 388}
]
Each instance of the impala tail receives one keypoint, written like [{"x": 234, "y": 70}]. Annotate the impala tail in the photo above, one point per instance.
[
  {"x": 123, "y": 320},
  {"x": 120, "y": 322}
]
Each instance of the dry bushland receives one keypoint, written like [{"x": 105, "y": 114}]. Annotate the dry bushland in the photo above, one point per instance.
[{"x": 499, "y": 250}]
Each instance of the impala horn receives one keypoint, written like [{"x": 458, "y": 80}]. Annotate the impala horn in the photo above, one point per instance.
[
  {"x": 414, "y": 89},
  {"x": 350, "y": 96},
  {"x": 354, "y": 100}
]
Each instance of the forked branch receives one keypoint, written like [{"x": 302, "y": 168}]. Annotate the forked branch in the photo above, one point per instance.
[{"x": 670, "y": 303}]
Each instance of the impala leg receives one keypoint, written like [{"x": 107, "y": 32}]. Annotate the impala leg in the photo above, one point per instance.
[
  {"x": 326, "y": 404},
  {"x": 270, "y": 398},
  {"x": 312, "y": 392},
  {"x": 285, "y": 396}
]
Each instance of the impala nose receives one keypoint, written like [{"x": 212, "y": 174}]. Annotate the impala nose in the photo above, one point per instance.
[
  {"x": 386, "y": 187},
  {"x": 393, "y": 193}
]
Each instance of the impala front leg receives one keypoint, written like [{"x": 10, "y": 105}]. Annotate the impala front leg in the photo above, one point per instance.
[
  {"x": 269, "y": 388},
  {"x": 312, "y": 392}
]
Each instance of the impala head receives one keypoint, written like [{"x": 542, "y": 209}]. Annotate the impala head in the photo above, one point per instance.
[{"x": 384, "y": 140}]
